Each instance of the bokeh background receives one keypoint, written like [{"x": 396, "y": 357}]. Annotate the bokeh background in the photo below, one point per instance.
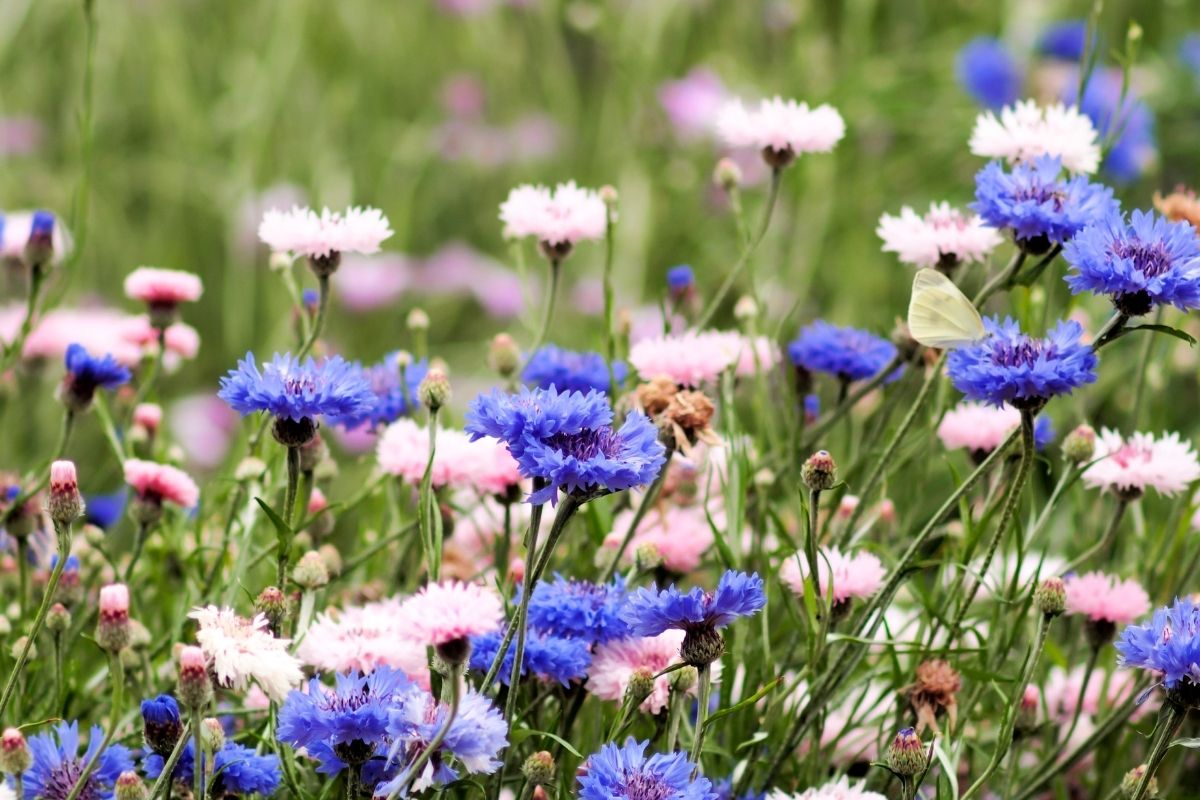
[{"x": 207, "y": 111}]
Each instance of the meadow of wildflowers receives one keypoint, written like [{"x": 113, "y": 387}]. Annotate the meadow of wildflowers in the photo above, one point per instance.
[{"x": 661, "y": 400}]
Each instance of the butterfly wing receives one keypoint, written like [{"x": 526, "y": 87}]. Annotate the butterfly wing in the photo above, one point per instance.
[{"x": 940, "y": 315}]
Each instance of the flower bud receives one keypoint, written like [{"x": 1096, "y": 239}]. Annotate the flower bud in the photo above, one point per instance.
[
  {"x": 539, "y": 768},
  {"x": 278, "y": 262},
  {"x": 249, "y": 469},
  {"x": 161, "y": 724},
  {"x": 1079, "y": 446},
  {"x": 702, "y": 646},
  {"x": 647, "y": 557},
  {"x": 5, "y": 626},
  {"x": 58, "y": 618},
  {"x": 273, "y": 605},
  {"x": 727, "y": 174},
  {"x": 1050, "y": 597},
  {"x": 129, "y": 786},
  {"x": 112, "y": 627},
  {"x": 195, "y": 688},
  {"x": 139, "y": 635},
  {"x": 640, "y": 686},
  {"x": 1027, "y": 712},
  {"x": 745, "y": 309},
  {"x": 64, "y": 504},
  {"x": 504, "y": 356},
  {"x": 294, "y": 433},
  {"x": 148, "y": 416},
  {"x": 683, "y": 679},
  {"x": 516, "y": 569},
  {"x": 312, "y": 453},
  {"x": 15, "y": 757},
  {"x": 906, "y": 755},
  {"x": 1133, "y": 778},
  {"x": 417, "y": 320},
  {"x": 332, "y": 559},
  {"x": 819, "y": 472},
  {"x": 608, "y": 194},
  {"x": 19, "y": 645},
  {"x": 434, "y": 389},
  {"x": 212, "y": 734},
  {"x": 681, "y": 282},
  {"x": 310, "y": 571}
]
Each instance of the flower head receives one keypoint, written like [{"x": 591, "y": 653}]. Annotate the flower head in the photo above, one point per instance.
[
  {"x": 1009, "y": 366},
  {"x": 57, "y": 764},
  {"x": 566, "y": 440},
  {"x": 1168, "y": 644},
  {"x": 240, "y": 650},
  {"x": 624, "y": 772},
  {"x": 458, "y": 461},
  {"x": 944, "y": 235},
  {"x": 1166, "y": 464},
  {"x": 848, "y": 353},
  {"x": 163, "y": 287},
  {"x": 579, "y": 609},
  {"x": 395, "y": 388},
  {"x": 980, "y": 428},
  {"x": 549, "y": 657},
  {"x": 615, "y": 662},
  {"x": 443, "y": 612},
  {"x": 305, "y": 233},
  {"x": 1144, "y": 262},
  {"x": 290, "y": 390},
  {"x": 558, "y": 219},
  {"x": 1106, "y": 598},
  {"x": 1025, "y": 132},
  {"x": 689, "y": 359},
  {"x": 1039, "y": 205},
  {"x": 834, "y": 790},
  {"x": 364, "y": 638},
  {"x": 781, "y": 129},
  {"x": 236, "y": 770},
  {"x": 651, "y": 612},
  {"x": 569, "y": 371},
  {"x": 987, "y": 70},
  {"x": 845, "y": 577},
  {"x": 86, "y": 374},
  {"x": 155, "y": 483}
]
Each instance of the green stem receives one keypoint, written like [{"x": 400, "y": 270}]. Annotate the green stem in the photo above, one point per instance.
[
  {"x": 1002, "y": 279},
  {"x": 289, "y": 503},
  {"x": 60, "y": 448},
  {"x": 139, "y": 542},
  {"x": 610, "y": 342},
  {"x": 648, "y": 501},
  {"x": 1170, "y": 718},
  {"x": 704, "y": 674},
  {"x": 319, "y": 322},
  {"x": 197, "y": 754},
  {"x": 1112, "y": 330},
  {"x": 429, "y": 515},
  {"x": 117, "y": 676},
  {"x": 548, "y": 310},
  {"x": 163, "y": 783},
  {"x": 829, "y": 419},
  {"x": 1109, "y": 535}
]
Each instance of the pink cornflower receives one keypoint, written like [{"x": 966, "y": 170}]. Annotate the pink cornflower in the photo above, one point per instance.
[
  {"x": 689, "y": 359},
  {"x": 1061, "y": 692},
  {"x": 114, "y": 601},
  {"x": 158, "y": 482},
  {"x": 852, "y": 576},
  {"x": 492, "y": 468},
  {"x": 103, "y": 329},
  {"x": 781, "y": 129},
  {"x": 240, "y": 650},
  {"x": 977, "y": 427},
  {"x": 459, "y": 463},
  {"x": 443, "y": 612},
  {"x": 756, "y": 353},
  {"x": 305, "y": 233},
  {"x": 614, "y": 663},
  {"x": 692, "y": 102},
  {"x": 943, "y": 234},
  {"x": 148, "y": 416},
  {"x": 365, "y": 283},
  {"x": 558, "y": 219},
  {"x": 1130, "y": 466},
  {"x": 163, "y": 287},
  {"x": 203, "y": 425},
  {"x": 362, "y": 638},
  {"x": 680, "y": 534},
  {"x": 181, "y": 339},
  {"x": 1106, "y": 598}
]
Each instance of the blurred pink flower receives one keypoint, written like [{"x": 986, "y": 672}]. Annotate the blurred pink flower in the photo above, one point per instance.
[
  {"x": 858, "y": 575},
  {"x": 689, "y": 359},
  {"x": 463, "y": 95},
  {"x": 459, "y": 463},
  {"x": 681, "y": 534},
  {"x": 1061, "y": 692},
  {"x": 565, "y": 216},
  {"x": 203, "y": 425},
  {"x": 692, "y": 103},
  {"x": 156, "y": 482},
  {"x": 977, "y": 427},
  {"x": 364, "y": 283},
  {"x": 1106, "y": 598},
  {"x": 443, "y": 612},
  {"x": 20, "y": 136},
  {"x": 163, "y": 287},
  {"x": 303, "y": 232},
  {"x": 614, "y": 663},
  {"x": 363, "y": 638}
]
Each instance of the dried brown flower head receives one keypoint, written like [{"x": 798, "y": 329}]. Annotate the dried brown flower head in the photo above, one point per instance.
[{"x": 933, "y": 694}]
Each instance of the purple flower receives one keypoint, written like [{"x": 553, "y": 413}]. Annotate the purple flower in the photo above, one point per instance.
[
  {"x": 625, "y": 773},
  {"x": 395, "y": 391},
  {"x": 570, "y": 371},
  {"x": 57, "y": 764},
  {"x": 692, "y": 102},
  {"x": 288, "y": 389},
  {"x": 1169, "y": 644},
  {"x": 87, "y": 373},
  {"x": 989, "y": 73},
  {"x": 848, "y": 353},
  {"x": 1011, "y": 367},
  {"x": 651, "y": 612}
]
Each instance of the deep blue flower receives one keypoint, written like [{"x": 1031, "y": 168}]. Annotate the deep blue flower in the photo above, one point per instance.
[
  {"x": 394, "y": 397},
  {"x": 651, "y": 612},
  {"x": 57, "y": 764},
  {"x": 87, "y": 373},
  {"x": 625, "y": 773},
  {"x": 1009, "y": 366},
  {"x": 477, "y": 735},
  {"x": 104, "y": 510},
  {"x": 579, "y": 610},
  {"x": 237, "y": 770},
  {"x": 1169, "y": 644},
  {"x": 1135, "y": 148},
  {"x": 345, "y": 724},
  {"x": 288, "y": 389},
  {"x": 681, "y": 281},
  {"x": 1064, "y": 40},
  {"x": 812, "y": 407},
  {"x": 1039, "y": 205},
  {"x": 549, "y": 657},
  {"x": 40, "y": 244},
  {"x": 848, "y": 353},
  {"x": 569, "y": 371},
  {"x": 1043, "y": 432},
  {"x": 989, "y": 73},
  {"x": 161, "y": 723},
  {"x": 566, "y": 440},
  {"x": 1144, "y": 262}
]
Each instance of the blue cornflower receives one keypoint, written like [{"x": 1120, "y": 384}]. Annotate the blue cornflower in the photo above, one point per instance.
[
  {"x": 625, "y": 773},
  {"x": 1168, "y": 644},
  {"x": 989, "y": 73},
  {"x": 681, "y": 281},
  {"x": 698, "y": 613},
  {"x": 104, "y": 510},
  {"x": 161, "y": 724},
  {"x": 848, "y": 353},
  {"x": 1043, "y": 432},
  {"x": 477, "y": 734},
  {"x": 566, "y": 440},
  {"x": 1144, "y": 262},
  {"x": 57, "y": 764},
  {"x": 394, "y": 397},
  {"x": 579, "y": 609},
  {"x": 298, "y": 393},
  {"x": 1064, "y": 40},
  {"x": 1037, "y": 203},
  {"x": 1011, "y": 367},
  {"x": 237, "y": 769},
  {"x": 812, "y": 407},
  {"x": 549, "y": 657},
  {"x": 40, "y": 247},
  {"x": 1109, "y": 103},
  {"x": 569, "y": 371},
  {"x": 86, "y": 374},
  {"x": 343, "y": 725}
]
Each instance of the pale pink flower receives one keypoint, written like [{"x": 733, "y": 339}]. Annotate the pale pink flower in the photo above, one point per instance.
[
  {"x": 362, "y": 638},
  {"x": 847, "y": 506},
  {"x": 977, "y": 427},
  {"x": 303, "y": 232},
  {"x": 484, "y": 465},
  {"x": 181, "y": 339},
  {"x": 1061, "y": 692},
  {"x": 364, "y": 283},
  {"x": 689, "y": 359},
  {"x": 103, "y": 330},
  {"x": 203, "y": 425},
  {"x": 1106, "y": 598},
  {"x": 783, "y": 126},
  {"x": 756, "y": 353},
  {"x": 565, "y": 216},
  {"x": 492, "y": 468},
  {"x": 148, "y": 416},
  {"x": 614, "y": 663},
  {"x": 692, "y": 102},
  {"x": 1025, "y": 131},
  {"x": 159, "y": 482},
  {"x": 1166, "y": 464},
  {"x": 680, "y": 534},
  {"x": 114, "y": 600},
  {"x": 944, "y": 232},
  {"x": 240, "y": 650},
  {"x": 852, "y": 576},
  {"x": 63, "y": 479},
  {"x": 475, "y": 532},
  {"x": 443, "y": 612},
  {"x": 163, "y": 287}
]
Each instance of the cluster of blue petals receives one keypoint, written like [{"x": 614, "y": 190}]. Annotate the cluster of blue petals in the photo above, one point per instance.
[
  {"x": 989, "y": 73},
  {"x": 651, "y": 612},
  {"x": 286, "y": 388},
  {"x": 554, "y": 658},
  {"x": 57, "y": 764},
  {"x": 87, "y": 373},
  {"x": 236, "y": 770},
  {"x": 571, "y": 371},
  {"x": 579, "y": 609},
  {"x": 625, "y": 772},
  {"x": 1168, "y": 644},
  {"x": 395, "y": 392},
  {"x": 1035, "y": 201},
  {"x": 849, "y": 353}
]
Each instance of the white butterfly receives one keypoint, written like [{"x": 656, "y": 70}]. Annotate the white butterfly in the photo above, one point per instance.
[{"x": 940, "y": 315}]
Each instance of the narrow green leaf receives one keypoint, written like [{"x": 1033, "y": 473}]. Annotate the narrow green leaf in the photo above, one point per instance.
[
  {"x": 281, "y": 527},
  {"x": 1167, "y": 329},
  {"x": 749, "y": 701},
  {"x": 525, "y": 733}
]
